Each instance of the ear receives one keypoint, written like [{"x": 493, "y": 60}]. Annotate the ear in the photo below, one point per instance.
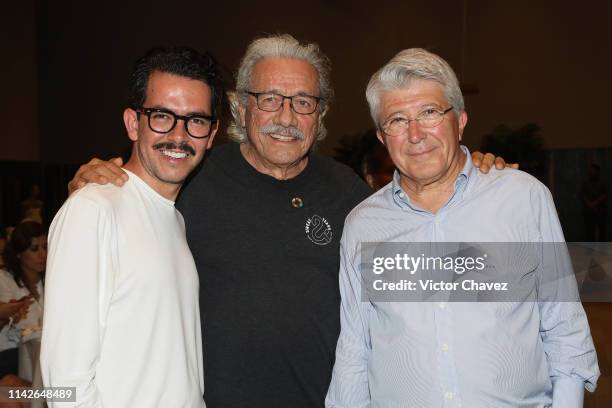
[
  {"x": 238, "y": 111},
  {"x": 130, "y": 120},
  {"x": 463, "y": 118},
  {"x": 323, "y": 112},
  {"x": 380, "y": 135},
  {"x": 369, "y": 180},
  {"x": 242, "y": 114},
  {"x": 320, "y": 124},
  {"x": 211, "y": 137}
]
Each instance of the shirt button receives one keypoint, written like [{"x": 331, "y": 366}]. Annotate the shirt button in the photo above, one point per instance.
[
  {"x": 448, "y": 395},
  {"x": 401, "y": 195},
  {"x": 445, "y": 347},
  {"x": 442, "y": 305}
]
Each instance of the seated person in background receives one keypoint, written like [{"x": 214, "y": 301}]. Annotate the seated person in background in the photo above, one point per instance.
[
  {"x": 10, "y": 314},
  {"x": 2, "y": 245},
  {"x": 594, "y": 196},
  {"x": 32, "y": 206},
  {"x": 377, "y": 168},
  {"x": 12, "y": 381},
  {"x": 122, "y": 322},
  {"x": 25, "y": 258}
]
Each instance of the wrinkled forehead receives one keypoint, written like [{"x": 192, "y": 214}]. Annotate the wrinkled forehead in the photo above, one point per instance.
[
  {"x": 289, "y": 76},
  {"x": 413, "y": 94}
]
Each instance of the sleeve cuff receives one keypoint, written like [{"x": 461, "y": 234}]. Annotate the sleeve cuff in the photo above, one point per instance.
[{"x": 568, "y": 393}]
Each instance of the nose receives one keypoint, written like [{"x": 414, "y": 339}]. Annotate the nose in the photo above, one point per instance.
[
  {"x": 286, "y": 115},
  {"x": 415, "y": 133},
  {"x": 179, "y": 133}
]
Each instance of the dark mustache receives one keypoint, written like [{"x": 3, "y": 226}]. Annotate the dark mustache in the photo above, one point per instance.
[{"x": 173, "y": 146}]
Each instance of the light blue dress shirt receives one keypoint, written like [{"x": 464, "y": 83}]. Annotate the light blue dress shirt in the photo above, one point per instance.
[{"x": 445, "y": 354}]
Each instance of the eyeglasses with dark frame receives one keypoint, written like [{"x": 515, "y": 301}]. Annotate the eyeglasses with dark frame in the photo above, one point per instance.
[
  {"x": 272, "y": 101},
  {"x": 428, "y": 118},
  {"x": 164, "y": 121}
]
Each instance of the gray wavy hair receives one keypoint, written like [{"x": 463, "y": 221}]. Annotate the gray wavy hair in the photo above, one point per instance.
[
  {"x": 413, "y": 64},
  {"x": 284, "y": 46}
]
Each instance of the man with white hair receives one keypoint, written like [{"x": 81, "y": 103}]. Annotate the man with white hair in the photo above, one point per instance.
[
  {"x": 515, "y": 353},
  {"x": 268, "y": 258},
  {"x": 263, "y": 218}
]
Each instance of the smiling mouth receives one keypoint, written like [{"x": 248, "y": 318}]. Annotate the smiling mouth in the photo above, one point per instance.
[
  {"x": 174, "y": 154},
  {"x": 421, "y": 153},
  {"x": 174, "y": 151},
  {"x": 282, "y": 138},
  {"x": 282, "y": 133}
]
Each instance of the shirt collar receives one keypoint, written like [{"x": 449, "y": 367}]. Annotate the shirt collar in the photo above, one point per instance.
[{"x": 467, "y": 173}]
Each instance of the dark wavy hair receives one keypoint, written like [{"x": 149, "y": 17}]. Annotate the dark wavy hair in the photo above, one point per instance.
[
  {"x": 19, "y": 241},
  {"x": 181, "y": 61}
]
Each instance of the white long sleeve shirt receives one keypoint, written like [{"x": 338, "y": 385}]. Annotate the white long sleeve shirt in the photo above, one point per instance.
[{"x": 121, "y": 319}]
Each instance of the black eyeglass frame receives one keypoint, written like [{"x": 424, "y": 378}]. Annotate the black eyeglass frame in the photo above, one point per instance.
[
  {"x": 317, "y": 99},
  {"x": 148, "y": 111}
]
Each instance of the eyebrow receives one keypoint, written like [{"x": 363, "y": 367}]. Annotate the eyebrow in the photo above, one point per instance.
[
  {"x": 431, "y": 104},
  {"x": 193, "y": 113},
  {"x": 300, "y": 93},
  {"x": 306, "y": 94},
  {"x": 419, "y": 109},
  {"x": 199, "y": 114}
]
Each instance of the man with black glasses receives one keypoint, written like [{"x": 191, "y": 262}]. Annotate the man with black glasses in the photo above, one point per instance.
[{"x": 122, "y": 321}]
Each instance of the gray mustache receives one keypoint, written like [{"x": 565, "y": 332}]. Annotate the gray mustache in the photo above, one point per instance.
[{"x": 283, "y": 131}]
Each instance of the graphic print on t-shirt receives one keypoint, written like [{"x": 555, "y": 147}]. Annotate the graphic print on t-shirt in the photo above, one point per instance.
[{"x": 318, "y": 230}]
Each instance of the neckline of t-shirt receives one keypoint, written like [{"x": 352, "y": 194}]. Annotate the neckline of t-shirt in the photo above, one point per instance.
[
  {"x": 241, "y": 169},
  {"x": 147, "y": 187}
]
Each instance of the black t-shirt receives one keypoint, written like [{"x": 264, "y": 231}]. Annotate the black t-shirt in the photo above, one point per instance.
[{"x": 267, "y": 252}]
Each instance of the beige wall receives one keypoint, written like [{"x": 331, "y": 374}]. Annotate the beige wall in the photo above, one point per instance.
[
  {"x": 547, "y": 62},
  {"x": 19, "y": 101},
  {"x": 540, "y": 62}
]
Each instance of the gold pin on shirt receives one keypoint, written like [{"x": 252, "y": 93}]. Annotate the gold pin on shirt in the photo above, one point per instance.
[{"x": 297, "y": 202}]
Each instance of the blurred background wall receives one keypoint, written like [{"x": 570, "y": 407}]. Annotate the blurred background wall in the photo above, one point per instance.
[
  {"x": 536, "y": 68},
  {"x": 540, "y": 65},
  {"x": 65, "y": 63}
]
